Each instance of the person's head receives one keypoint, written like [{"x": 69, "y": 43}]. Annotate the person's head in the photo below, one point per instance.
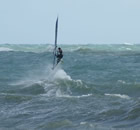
[{"x": 59, "y": 48}]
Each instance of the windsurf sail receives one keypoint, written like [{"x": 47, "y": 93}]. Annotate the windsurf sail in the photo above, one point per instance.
[{"x": 55, "y": 45}]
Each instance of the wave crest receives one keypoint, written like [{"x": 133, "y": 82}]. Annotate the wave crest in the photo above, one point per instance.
[
  {"x": 5, "y": 49},
  {"x": 118, "y": 95}
]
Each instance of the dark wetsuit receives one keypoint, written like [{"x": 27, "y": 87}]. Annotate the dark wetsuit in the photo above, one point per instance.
[{"x": 59, "y": 55}]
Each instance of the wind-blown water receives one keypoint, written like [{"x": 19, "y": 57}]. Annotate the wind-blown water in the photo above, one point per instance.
[{"x": 97, "y": 87}]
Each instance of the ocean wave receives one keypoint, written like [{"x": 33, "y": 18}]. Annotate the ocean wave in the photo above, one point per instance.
[
  {"x": 56, "y": 125},
  {"x": 106, "y": 48},
  {"x": 5, "y": 49},
  {"x": 130, "y": 44},
  {"x": 28, "y": 87},
  {"x": 14, "y": 97},
  {"x": 56, "y": 83},
  {"x": 61, "y": 74},
  {"x": 59, "y": 94},
  {"x": 37, "y": 48},
  {"x": 118, "y": 95},
  {"x": 83, "y": 49},
  {"x": 87, "y": 48}
]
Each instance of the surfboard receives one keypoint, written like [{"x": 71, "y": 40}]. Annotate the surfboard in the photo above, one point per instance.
[{"x": 55, "y": 45}]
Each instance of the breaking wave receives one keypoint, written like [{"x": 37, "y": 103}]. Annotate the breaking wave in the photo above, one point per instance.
[
  {"x": 118, "y": 95},
  {"x": 5, "y": 49},
  {"x": 56, "y": 83}
]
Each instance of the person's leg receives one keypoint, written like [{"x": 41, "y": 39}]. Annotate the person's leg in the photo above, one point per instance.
[{"x": 58, "y": 60}]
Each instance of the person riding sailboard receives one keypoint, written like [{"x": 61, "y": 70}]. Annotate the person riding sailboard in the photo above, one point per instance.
[{"x": 57, "y": 53}]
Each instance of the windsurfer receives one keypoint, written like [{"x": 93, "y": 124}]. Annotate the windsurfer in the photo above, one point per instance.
[{"x": 59, "y": 55}]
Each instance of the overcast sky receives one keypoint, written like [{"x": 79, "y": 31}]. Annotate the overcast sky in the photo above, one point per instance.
[{"x": 80, "y": 21}]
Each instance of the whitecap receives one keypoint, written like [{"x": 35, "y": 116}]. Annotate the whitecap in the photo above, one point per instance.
[
  {"x": 83, "y": 123},
  {"x": 5, "y": 49},
  {"x": 121, "y": 81},
  {"x": 129, "y": 49},
  {"x": 130, "y": 44},
  {"x": 59, "y": 94},
  {"x": 61, "y": 74},
  {"x": 118, "y": 95}
]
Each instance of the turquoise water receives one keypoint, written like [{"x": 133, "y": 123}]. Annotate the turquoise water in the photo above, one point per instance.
[{"x": 96, "y": 87}]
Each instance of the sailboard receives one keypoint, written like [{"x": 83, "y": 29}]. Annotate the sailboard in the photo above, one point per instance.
[{"x": 55, "y": 44}]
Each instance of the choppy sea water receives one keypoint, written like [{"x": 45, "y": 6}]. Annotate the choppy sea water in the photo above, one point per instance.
[{"x": 97, "y": 87}]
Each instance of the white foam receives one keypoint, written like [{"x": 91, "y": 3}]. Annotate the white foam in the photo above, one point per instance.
[
  {"x": 130, "y": 44},
  {"x": 59, "y": 94},
  {"x": 50, "y": 48},
  {"x": 26, "y": 83},
  {"x": 118, "y": 95},
  {"x": 129, "y": 49},
  {"x": 5, "y": 49},
  {"x": 61, "y": 74},
  {"x": 83, "y": 123},
  {"x": 121, "y": 81}
]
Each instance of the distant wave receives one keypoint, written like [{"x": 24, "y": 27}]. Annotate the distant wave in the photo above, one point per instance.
[
  {"x": 130, "y": 44},
  {"x": 89, "y": 48},
  {"x": 5, "y": 49},
  {"x": 83, "y": 49},
  {"x": 27, "y": 47}
]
